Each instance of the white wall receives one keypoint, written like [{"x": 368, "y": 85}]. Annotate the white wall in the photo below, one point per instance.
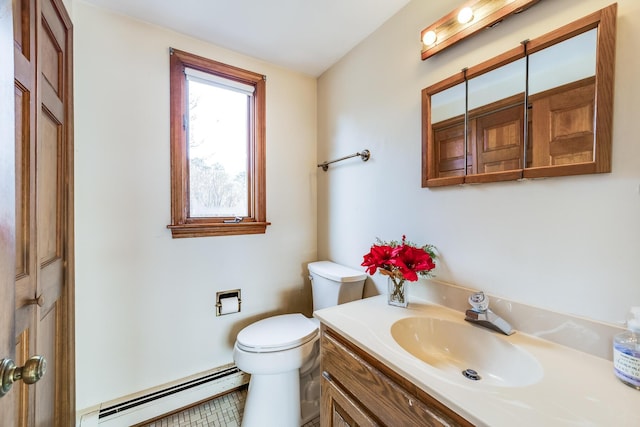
[
  {"x": 145, "y": 302},
  {"x": 565, "y": 244}
]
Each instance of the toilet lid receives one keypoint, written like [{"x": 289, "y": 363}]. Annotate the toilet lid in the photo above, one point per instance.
[{"x": 277, "y": 333}]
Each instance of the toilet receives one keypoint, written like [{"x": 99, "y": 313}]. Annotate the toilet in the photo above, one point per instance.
[{"x": 282, "y": 353}]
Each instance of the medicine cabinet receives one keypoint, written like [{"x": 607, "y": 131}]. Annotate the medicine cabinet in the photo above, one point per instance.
[{"x": 541, "y": 109}]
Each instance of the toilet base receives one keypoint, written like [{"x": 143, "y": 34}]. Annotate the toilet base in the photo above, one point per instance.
[
  {"x": 310, "y": 393},
  {"x": 273, "y": 400}
]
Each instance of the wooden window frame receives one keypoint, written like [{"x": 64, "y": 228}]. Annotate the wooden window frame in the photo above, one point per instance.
[{"x": 182, "y": 225}]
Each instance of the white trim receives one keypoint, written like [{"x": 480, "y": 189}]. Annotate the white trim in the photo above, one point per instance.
[{"x": 212, "y": 79}]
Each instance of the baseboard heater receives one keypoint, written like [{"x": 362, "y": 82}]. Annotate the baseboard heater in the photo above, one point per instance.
[{"x": 165, "y": 399}]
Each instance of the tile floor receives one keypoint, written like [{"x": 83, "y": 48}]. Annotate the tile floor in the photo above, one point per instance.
[{"x": 225, "y": 411}]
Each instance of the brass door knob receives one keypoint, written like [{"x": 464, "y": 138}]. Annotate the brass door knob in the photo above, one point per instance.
[{"x": 30, "y": 373}]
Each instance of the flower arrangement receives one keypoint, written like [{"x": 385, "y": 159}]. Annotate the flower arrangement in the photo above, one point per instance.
[{"x": 400, "y": 261}]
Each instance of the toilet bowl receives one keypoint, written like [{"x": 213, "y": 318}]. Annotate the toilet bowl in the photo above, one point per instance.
[
  {"x": 273, "y": 350},
  {"x": 282, "y": 353}
]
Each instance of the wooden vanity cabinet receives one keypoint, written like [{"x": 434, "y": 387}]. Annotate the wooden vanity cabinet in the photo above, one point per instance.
[{"x": 358, "y": 390}]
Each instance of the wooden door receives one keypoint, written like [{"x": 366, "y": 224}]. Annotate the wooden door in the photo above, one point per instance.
[
  {"x": 25, "y": 54},
  {"x": 498, "y": 140},
  {"x": 43, "y": 210},
  {"x": 7, "y": 203},
  {"x": 563, "y": 124},
  {"x": 449, "y": 143}
]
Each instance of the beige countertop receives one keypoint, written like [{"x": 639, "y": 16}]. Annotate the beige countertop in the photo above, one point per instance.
[{"x": 575, "y": 388}]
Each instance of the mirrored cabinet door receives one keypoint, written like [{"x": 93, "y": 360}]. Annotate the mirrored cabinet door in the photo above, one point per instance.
[
  {"x": 448, "y": 109},
  {"x": 562, "y": 102},
  {"x": 496, "y": 121}
]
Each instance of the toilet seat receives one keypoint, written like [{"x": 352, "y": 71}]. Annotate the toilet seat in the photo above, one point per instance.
[{"x": 277, "y": 333}]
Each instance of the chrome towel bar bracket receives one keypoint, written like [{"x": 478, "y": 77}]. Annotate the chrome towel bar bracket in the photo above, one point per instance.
[{"x": 364, "y": 155}]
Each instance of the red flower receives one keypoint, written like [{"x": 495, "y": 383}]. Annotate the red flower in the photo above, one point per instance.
[
  {"x": 402, "y": 260},
  {"x": 379, "y": 256},
  {"x": 411, "y": 260}
]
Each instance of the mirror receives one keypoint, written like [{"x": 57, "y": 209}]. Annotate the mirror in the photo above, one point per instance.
[
  {"x": 447, "y": 112},
  {"x": 496, "y": 120},
  {"x": 562, "y": 101},
  {"x": 476, "y": 127}
]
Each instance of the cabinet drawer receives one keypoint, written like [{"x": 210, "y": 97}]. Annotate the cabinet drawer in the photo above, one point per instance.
[
  {"x": 341, "y": 409},
  {"x": 389, "y": 399}
]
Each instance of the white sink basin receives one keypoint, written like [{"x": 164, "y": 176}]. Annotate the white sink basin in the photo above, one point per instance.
[{"x": 464, "y": 350}]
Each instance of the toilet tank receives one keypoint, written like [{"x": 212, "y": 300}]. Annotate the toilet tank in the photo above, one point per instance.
[{"x": 333, "y": 284}]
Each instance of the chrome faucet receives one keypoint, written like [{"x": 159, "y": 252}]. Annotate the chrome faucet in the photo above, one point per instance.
[{"x": 481, "y": 314}]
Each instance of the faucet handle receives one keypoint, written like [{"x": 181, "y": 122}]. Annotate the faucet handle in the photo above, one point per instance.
[{"x": 479, "y": 301}]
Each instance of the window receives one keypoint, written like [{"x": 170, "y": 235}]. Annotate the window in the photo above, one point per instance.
[{"x": 217, "y": 148}]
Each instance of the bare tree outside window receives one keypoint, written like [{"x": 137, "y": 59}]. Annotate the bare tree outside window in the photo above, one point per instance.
[{"x": 217, "y": 134}]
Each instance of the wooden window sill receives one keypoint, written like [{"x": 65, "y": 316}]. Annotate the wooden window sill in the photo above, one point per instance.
[{"x": 217, "y": 229}]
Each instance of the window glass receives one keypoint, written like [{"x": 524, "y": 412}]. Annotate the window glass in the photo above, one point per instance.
[{"x": 218, "y": 140}]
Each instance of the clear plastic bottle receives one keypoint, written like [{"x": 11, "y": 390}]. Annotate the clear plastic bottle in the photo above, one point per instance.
[{"x": 626, "y": 352}]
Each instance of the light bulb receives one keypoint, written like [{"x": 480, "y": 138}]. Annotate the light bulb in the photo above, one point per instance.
[
  {"x": 429, "y": 38},
  {"x": 465, "y": 15}
]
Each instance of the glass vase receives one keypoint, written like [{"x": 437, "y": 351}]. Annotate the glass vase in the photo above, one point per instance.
[{"x": 397, "y": 291}]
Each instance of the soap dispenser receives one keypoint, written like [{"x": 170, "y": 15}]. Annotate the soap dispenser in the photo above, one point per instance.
[{"x": 626, "y": 352}]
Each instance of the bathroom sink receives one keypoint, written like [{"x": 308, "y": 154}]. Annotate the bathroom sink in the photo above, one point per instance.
[{"x": 464, "y": 350}]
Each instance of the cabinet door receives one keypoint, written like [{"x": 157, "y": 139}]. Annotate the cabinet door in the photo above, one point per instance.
[
  {"x": 358, "y": 390},
  {"x": 449, "y": 142},
  {"x": 499, "y": 140},
  {"x": 338, "y": 409},
  {"x": 563, "y": 130}
]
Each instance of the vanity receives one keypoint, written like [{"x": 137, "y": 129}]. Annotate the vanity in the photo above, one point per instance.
[{"x": 384, "y": 365}]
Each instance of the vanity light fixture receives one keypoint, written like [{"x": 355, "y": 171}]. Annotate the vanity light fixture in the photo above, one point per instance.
[
  {"x": 467, "y": 20},
  {"x": 465, "y": 15},
  {"x": 429, "y": 38}
]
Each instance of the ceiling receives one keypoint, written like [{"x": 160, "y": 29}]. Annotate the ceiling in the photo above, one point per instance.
[{"x": 302, "y": 35}]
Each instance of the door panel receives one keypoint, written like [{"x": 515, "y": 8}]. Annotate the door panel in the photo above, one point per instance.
[
  {"x": 48, "y": 195},
  {"x": 25, "y": 134},
  {"x": 499, "y": 141},
  {"x": 25, "y": 102},
  {"x": 46, "y": 393},
  {"x": 8, "y": 403},
  {"x": 450, "y": 150},
  {"x": 564, "y": 130},
  {"x": 25, "y": 131},
  {"x": 449, "y": 141},
  {"x": 50, "y": 58},
  {"x": 22, "y": 173}
]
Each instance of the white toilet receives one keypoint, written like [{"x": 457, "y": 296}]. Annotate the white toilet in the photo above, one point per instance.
[{"x": 282, "y": 353}]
